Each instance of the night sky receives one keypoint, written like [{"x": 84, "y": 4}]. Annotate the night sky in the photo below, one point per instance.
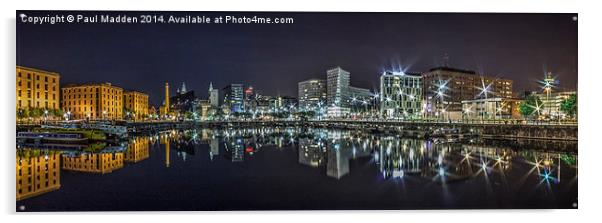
[{"x": 274, "y": 57}]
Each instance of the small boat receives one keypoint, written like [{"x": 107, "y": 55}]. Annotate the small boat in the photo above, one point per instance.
[
  {"x": 65, "y": 135},
  {"x": 51, "y": 137},
  {"x": 110, "y": 130}
]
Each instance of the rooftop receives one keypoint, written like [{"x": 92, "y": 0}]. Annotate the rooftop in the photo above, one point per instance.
[
  {"x": 452, "y": 70},
  {"x": 402, "y": 73},
  {"x": 38, "y": 70},
  {"x": 106, "y": 84}
]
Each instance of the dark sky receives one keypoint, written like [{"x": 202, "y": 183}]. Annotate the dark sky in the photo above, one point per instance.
[{"x": 274, "y": 57}]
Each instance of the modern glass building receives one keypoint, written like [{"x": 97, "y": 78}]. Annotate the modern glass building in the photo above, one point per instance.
[
  {"x": 337, "y": 91},
  {"x": 311, "y": 93},
  {"x": 401, "y": 95},
  {"x": 233, "y": 97}
]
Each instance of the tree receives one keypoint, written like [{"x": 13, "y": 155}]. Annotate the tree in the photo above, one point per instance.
[
  {"x": 530, "y": 106},
  {"x": 569, "y": 105},
  {"x": 58, "y": 113},
  {"x": 36, "y": 113},
  {"x": 218, "y": 114},
  {"x": 22, "y": 113},
  {"x": 188, "y": 115}
]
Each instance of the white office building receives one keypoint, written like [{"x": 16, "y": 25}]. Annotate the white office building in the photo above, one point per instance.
[
  {"x": 337, "y": 91},
  {"x": 400, "y": 95}
]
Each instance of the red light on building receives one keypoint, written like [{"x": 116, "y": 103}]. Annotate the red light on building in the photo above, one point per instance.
[
  {"x": 249, "y": 149},
  {"x": 249, "y": 91}
]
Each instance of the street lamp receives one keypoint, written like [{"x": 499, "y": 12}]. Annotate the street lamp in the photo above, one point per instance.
[{"x": 547, "y": 86}]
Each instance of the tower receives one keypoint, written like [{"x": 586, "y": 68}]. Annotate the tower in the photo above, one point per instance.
[
  {"x": 213, "y": 96},
  {"x": 166, "y": 98},
  {"x": 183, "y": 88}
]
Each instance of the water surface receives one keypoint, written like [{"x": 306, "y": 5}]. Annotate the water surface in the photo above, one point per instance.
[{"x": 293, "y": 168}]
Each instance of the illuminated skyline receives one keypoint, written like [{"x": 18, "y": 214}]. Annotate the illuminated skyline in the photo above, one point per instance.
[{"x": 521, "y": 47}]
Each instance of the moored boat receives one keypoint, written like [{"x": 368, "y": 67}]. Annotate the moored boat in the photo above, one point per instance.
[{"x": 61, "y": 135}]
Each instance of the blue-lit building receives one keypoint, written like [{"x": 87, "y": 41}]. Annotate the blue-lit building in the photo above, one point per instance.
[{"x": 233, "y": 97}]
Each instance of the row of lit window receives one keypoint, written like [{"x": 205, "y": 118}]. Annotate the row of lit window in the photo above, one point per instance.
[
  {"x": 37, "y": 77},
  {"x": 37, "y": 95},
  {"x": 83, "y": 102},
  {"x": 92, "y": 89},
  {"x": 19, "y": 103},
  {"x": 68, "y": 96},
  {"x": 37, "y": 86}
]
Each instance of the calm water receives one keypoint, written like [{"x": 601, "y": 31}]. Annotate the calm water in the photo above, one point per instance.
[{"x": 259, "y": 169}]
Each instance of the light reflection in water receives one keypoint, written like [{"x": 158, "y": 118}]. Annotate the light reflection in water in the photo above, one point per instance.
[{"x": 333, "y": 151}]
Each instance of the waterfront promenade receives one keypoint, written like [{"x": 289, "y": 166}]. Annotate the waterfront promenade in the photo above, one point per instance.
[{"x": 502, "y": 129}]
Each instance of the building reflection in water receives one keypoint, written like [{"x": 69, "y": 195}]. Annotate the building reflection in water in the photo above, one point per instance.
[
  {"x": 311, "y": 154},
  {"x": 394, "y": 157},
  {"x": 104, "y": 162},
  {"x": 165, "y": 140},
  {"x": 138, "y": 149},
  {"x": 38, "y": 172}
]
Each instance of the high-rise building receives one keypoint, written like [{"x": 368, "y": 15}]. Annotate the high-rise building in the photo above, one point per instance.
[
  {"x": 337, "y": 92},
  {"x": 136, "y": 103},
  {"x": 445, "y": 88},
  {"x": 233, "y": 97},
  {"x": 213, "y": 96},
  {"x": 401, "y": 95},
  {"x": 93, "y": 101},
  {"x": 249, "y": 93},
  {"x": 37, "y": 173},
  {"x": 311, "y": 93},
  {"x": 249, "y": 99},
  {"x": 37, "y": 88},
  {"x": 337, "y": 87}
]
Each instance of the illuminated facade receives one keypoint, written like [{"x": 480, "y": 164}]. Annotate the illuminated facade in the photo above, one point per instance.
[
  {"x": 401, "y": 95},
  {"x": 337, "y": 90},
  {"x": 213, "y": 96},
  {"x": 445, "y": 88},
  {"x": 37, "y": 173},
  {"x": 491, "y": 108},
  {"x": 138, "y": 150},
  {"x": 136, "y": 103},
  {"x": 37, "y": 88},
  {"x": 551, "y": 101},
  {"x": 233, "y": 97},
  {"x": 93, "y": 101},
  {"x": 164, "y": 109},
  {"x": 94, "y": 162},
  {"x": 311, "y": 93}
]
